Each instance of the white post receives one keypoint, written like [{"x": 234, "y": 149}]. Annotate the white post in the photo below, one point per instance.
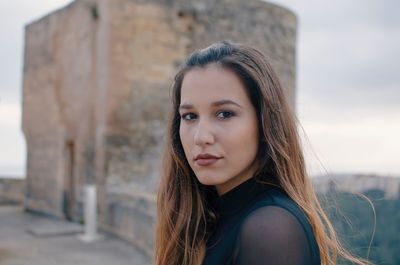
[{"x": 90, "y": 211}]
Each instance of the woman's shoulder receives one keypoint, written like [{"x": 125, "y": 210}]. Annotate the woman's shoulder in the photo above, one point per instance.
[
  {"x": 275, "y": 197},
  {"x": 276, "y": 229}
]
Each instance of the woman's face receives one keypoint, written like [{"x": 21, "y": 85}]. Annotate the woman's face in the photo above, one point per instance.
[{"x": 218, "y": 128}]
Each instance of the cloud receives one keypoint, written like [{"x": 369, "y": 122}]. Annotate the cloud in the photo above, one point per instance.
[
  {"x": 347, "y": 60},
  {"x": 348, "y": 84},
  {"x": 368, "y": 145},
  {"x": 10, "y": 114},
  {"x": 12, "y": 144}
]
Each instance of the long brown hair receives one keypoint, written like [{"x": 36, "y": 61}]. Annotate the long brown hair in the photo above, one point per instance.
[{"x": 185, "y": 218}]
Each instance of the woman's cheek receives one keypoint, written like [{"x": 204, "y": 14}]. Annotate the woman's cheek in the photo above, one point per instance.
[{"x": 184, "y": 137}]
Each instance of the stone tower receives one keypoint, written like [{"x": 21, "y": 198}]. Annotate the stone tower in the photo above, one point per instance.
[{"x": 96, "y": 92}]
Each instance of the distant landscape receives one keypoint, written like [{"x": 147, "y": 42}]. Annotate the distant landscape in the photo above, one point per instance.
[{"x": 353, "y": 218}]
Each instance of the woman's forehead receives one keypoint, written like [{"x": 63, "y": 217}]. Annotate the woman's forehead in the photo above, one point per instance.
[{"x": 212, "y": 85}]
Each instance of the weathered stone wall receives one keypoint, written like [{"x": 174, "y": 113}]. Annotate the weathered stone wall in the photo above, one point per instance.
[
  {"x": 99, "y": 72},
  {"x": 11, "y": 191},
  {"x": 143, "y": 59},
  {"x": 149, "y": 39},
  {"x": 142, "y": 55},
  {"x": 58, "y": 105}
]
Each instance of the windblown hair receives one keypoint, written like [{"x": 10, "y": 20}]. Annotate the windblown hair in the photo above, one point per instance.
[{"x": 185, "y": 217}]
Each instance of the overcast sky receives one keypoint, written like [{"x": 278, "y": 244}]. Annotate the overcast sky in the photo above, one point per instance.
[{"x": 348, "y": 78}]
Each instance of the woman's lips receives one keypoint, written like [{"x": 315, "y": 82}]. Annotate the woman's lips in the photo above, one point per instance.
[{"x": 206, "y": 161}]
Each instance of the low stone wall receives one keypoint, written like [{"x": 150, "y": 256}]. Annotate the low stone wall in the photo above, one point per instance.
[
  {"x": 130, "y": 215},
  {"x": 11, "y": 191}
]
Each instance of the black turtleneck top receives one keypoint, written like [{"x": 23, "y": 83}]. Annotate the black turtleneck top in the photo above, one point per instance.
[{"x": 259, "y": 224}]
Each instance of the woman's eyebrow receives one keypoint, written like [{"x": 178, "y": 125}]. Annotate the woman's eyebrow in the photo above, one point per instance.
[{"x": 214, "y": 104}]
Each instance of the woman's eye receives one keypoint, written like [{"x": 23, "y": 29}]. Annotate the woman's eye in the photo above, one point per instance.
[
  {"x": 221, "y": 115},
  {"x": 188, "y": 116},
  {"x": 224, "y": 114}
]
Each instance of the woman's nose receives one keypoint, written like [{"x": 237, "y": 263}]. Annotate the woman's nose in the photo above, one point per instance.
[{"x": 203, "y": 133}]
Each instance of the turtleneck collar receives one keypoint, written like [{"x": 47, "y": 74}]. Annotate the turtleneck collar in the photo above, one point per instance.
[{"x": 235, "y": 200}]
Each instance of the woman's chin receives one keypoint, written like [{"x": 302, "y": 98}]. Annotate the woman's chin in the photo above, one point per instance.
[{"x": 209, "y": 180}]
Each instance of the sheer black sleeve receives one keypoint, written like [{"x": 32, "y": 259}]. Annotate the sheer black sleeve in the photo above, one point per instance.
[{"x": 271, "y": 235}]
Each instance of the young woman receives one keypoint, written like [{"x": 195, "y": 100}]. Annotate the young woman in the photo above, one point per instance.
[{"x": 234, "y": 188}]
